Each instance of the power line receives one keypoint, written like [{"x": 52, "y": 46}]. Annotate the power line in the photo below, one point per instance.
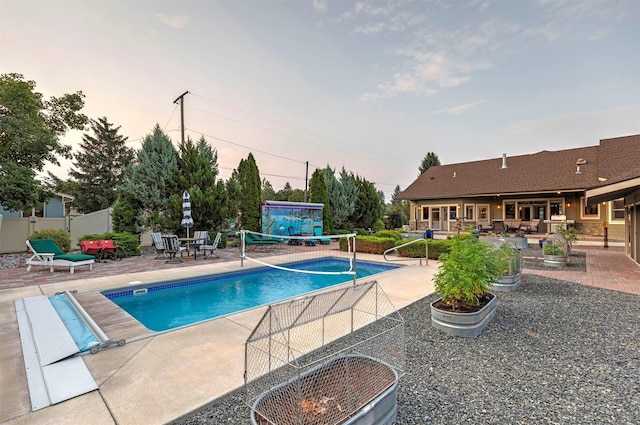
[
  {"x": 246, "y": 147},
  {"x": 358, "y": 150}
]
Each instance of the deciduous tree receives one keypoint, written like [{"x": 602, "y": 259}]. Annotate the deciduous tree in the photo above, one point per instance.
[{"x": 29, "y": 138}]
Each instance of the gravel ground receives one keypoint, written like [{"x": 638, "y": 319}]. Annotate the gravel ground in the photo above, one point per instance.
[{"x": 555, "y": 353}]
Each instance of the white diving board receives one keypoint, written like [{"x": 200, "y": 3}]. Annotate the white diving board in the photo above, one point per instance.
[{"x": 53, "y": 375}]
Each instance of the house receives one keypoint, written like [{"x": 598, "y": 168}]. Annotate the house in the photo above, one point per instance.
[
  {"x": 594, "y": 187},
  {"x": 57, "y": 206}
]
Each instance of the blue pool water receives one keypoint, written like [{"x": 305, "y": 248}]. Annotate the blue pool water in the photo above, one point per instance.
[{"x": 167, "y": 305}]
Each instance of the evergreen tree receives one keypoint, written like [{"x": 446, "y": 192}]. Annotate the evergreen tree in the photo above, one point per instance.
[
  {"x": 342, "y": 196},
  {"x": 318, "y": 193},
  {"x": 99, "y": 166},
  {"x": 429, "y": 160},
  {"x": 30, "y": 132},
  {"x": 232, "y": 188},
  {"x": 297, "y": 195},
  {"x": 368, "y": 207},
  {"x": 151, "y": 181},
  {"x": 197, "y": 172},
  {"x": 247, "y": 177},
  {"x": 127, "y": 215},
  {"x": 395, "y": 194},
  {"x": 285, "y": 193},
  {"x": 268, "y": 194},
  {"x": 398, "y": 210}
]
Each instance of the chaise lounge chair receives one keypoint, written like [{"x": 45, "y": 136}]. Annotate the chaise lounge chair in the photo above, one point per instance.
[
  {"x": 255, "y": 241},
  {"x": 46, "y": 253}
]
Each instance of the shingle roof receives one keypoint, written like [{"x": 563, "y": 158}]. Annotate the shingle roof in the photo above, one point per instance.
[{"x": 546, "y": 171}]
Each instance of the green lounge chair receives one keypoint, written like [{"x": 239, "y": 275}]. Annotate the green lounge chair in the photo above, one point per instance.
[
  {"x": 255, "y": 241},
  {"x": 46, "y": 253}
]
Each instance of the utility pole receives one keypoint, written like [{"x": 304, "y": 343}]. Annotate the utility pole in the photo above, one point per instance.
[
  {"x": 306, "y": 184},
  {"x": 181, "y": 99}
]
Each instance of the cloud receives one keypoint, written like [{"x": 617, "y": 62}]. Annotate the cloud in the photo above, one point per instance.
[
  {"x": 435, "y": 55},
  {"x": 176, "y": 21},
  {"x": 454, "y": 110},
  {"x": 320, "y": 5}
]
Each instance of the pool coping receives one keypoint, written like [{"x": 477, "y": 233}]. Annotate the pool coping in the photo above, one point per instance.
[{"x": 161, "y": 377}]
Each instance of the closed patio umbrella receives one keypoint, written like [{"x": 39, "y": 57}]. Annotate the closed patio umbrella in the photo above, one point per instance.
[{"x": 187, "y": 221}]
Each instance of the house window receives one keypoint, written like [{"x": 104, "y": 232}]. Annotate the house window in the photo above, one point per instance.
[
  {"x": 453, "y": 212},
  {"x": 617, "y": 209},
  {"x": 509, "y": 210},
  {"x": 590, "y": 211},
  {"x": 425, "y": 213},
  {"x": 468, "y": 212}
]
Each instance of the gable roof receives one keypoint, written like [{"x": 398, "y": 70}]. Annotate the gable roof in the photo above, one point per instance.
[{"x": 547, "y": 171}]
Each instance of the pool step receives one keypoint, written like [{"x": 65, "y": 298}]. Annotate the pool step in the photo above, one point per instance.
[{"x": 53, "y": 375}]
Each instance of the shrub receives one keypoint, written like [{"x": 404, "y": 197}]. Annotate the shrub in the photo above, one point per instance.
[
  {"x": 378, "y": 225},
  {"x": 62, "y": 238},
  {"x": 370, "y": 244},
  {"x": 466, "y": 272},
  {"x": 388, "y": 234},
  {"x": 569, "y": 233},
  {"x": 551, "y": 249},
  {"x": 416, "y": 250},
  {"x": 129, "y": 244}
]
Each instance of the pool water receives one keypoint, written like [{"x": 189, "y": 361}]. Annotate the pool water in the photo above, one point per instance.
[{"x": 167, "y": 305}]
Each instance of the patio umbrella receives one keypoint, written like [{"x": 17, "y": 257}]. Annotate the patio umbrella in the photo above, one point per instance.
[{"x": 187, "y": 221}]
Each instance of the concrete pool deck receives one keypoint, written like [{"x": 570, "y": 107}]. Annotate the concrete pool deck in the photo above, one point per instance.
[{"x": 156, "y": 378}]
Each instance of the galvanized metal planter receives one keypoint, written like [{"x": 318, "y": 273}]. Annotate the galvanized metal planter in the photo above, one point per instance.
[
  {"x": 329, "y": 358},
  {"x": 508, "y": 283},
  {"x": 361, "y": 372},
  {"x": 463, "y": 324},
  {"x": 555, "y": 260}
]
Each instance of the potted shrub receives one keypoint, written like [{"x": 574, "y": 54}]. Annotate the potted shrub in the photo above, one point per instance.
[
  {"x": 511, "y": 276},
  {"x": 555, "y": 253},
  {"x": 570, "y": 234},
  {"x": 463, "y": 280}
]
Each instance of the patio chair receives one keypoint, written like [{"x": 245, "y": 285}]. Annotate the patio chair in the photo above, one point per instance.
[
  {"x": 204, "y": 245},
  {"x": 498, "y": 226},
  {"x": 172, "y": 248},
  {"x": 159, "y": 245},
  {"x": 46, "y": 253},
  {"x": 531, "y": 227}
]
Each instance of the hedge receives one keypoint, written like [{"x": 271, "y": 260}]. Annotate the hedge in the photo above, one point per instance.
[
  {"x": 370, "y": 244},
  {"x": 129, "y": 244},
  {"x": 388, "y": 234},
  {"x": 62, "y": 238},
  {"x": 437, "y": 247}
]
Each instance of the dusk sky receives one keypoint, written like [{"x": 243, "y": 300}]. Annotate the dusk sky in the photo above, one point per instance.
[{"x": 369, "y": 85}]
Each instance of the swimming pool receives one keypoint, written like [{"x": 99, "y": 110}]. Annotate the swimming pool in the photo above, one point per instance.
[{"x": 171, "y": 304}]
